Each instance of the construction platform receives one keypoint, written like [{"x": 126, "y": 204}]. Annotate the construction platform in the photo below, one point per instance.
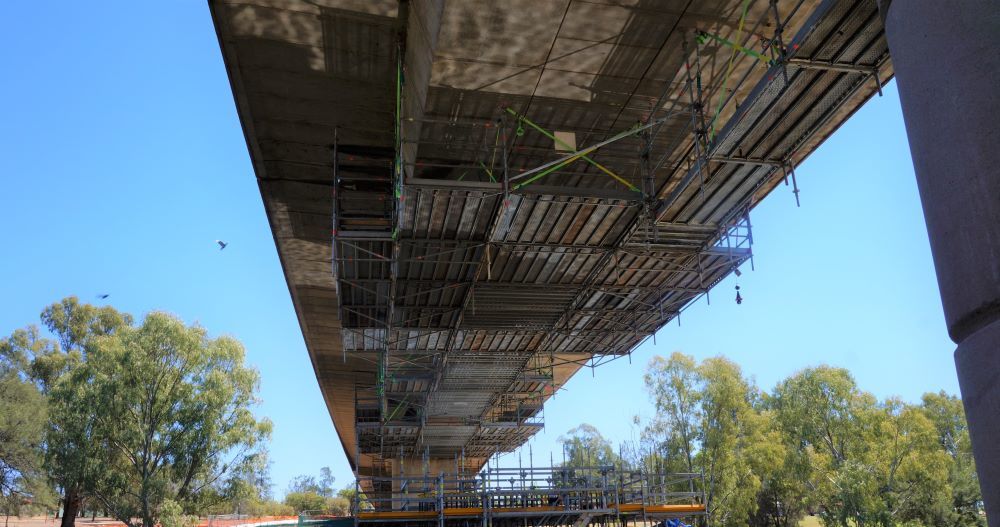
[
  {"x": 474, "y": 200},
  {"x": 546, "y": 496}
]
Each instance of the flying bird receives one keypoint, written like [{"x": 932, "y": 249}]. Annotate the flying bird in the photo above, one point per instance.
[
  {"x": 103, "y": 296},
  {"x": 222, "y": 244}
]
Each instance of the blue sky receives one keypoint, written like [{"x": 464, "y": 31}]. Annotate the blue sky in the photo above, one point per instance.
[{"x": 122, "y": 161}]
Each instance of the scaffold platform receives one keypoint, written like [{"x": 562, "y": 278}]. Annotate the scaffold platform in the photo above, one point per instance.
[{"x": 539, "y": 496}]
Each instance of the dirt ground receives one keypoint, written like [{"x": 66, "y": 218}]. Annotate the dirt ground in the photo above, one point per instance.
[{"x": 42, "y": 521}]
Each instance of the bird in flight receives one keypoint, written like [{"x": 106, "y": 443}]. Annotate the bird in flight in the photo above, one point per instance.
[
  {"x": 103, "y": 296},
  {"x": 222, "y": 244}
]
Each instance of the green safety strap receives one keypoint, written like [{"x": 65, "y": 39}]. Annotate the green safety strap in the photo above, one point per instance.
[
  {"x": 488, "y": 172},
  {"x": 729, "y": 68},
  {"x": 548, "y": 134}
]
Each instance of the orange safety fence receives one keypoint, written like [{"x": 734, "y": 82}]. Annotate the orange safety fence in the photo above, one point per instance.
[{"x": 231, "y": 522}]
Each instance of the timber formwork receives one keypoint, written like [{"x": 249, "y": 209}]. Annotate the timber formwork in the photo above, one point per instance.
[{"x": 463, "y": 226}]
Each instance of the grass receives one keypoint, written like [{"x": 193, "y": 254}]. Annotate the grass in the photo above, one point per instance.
[{"x": 810, "y": 521}]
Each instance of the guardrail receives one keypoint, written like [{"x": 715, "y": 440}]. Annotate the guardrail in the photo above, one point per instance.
[{"x": 547, "y": 495}]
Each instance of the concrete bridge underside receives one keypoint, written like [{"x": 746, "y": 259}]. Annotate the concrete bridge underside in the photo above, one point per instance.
[
  {"x": 443, "y": 302},
  {"x": 454, "y": 247}
]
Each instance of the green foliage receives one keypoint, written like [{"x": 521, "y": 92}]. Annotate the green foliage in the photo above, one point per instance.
[
  {"x": 23, "y": 419},
  {"x": 151, "y": 422},
  {"x": 326, "y": 481},
  {"x": 313, "y": 502},
  {"x": 172, "y": 515},
  {"x": 338, "y": 506},
  {"x": 303, "y": 484},
  {"x": 817, "y": 443},
  {"x": 866, "y": 462},
  {"x": 76, "y": 325},
  {"x": 246, "y": 490},
  {"x": 72, "y": 449},
  {"x": 820, "y": 413},
  {"x": 735, "y": 450},
  {"x": 584, "y": 446},
  {"x": 707, "y": 422},
  {"x": 155, "y": 422},
  {"x": 171, "y": 412},
  {"x": 305, "y": 501},
  {"x": 673, "y": 385},
  {"x": 947, "y": 415},
  {"x": 348, "y": 493},
  {"x": 266, "y": 507},
  {"x": 269, "y": 508},
  {"x": 32, "y": 357},
  {"x": 22, "y": 423}
]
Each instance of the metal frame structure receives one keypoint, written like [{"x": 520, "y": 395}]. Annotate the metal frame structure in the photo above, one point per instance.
[
  {"x": 538, "y": 496},
  {"x": 478, "y": 260},
  {"x": 435, "y": 310}
]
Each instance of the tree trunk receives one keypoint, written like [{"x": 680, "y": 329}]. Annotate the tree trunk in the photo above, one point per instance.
[{"x": 71, "y": 505}]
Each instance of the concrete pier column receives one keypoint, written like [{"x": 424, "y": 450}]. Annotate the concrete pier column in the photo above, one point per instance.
[{"x": 947, "y": 63}]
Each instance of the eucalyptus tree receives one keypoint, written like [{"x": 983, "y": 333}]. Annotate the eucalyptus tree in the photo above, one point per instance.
[
  {"x": 674, "y": 385},
  {"x": 68, "y": 442},
  {"x": 709, "y": 419},
  {"x": 172, "y": 414},
  {"x": 864, "y": 461},
  {"x": 22, "y": 420},
  {"x": 584, "y": 446},
  {"x": 739, "y": 447},
  {"x": 910, "y": 467},
  {"x": 326, "y": 482},
  {"x": 22, "y": 423},
  {"x": 946, "y": 413},
  {"x": 825, "y": 419},
  {"x": 304, "y": 483}
]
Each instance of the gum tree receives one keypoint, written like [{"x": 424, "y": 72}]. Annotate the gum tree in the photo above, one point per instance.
[
  {"x": 67, "y": 445},
  {"x": 172, "y": 416}
]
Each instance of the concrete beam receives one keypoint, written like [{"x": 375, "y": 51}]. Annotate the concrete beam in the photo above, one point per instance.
[{"x": 422, "y": 28}]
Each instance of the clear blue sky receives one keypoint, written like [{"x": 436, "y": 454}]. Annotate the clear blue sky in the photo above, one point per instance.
[{"x": 122, "y": 160}]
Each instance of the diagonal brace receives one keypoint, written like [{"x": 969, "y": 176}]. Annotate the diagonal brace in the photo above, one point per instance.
[{"x": 552, "y": 166}]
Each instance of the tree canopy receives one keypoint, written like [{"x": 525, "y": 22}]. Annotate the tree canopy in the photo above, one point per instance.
[
  {"x": 173, "y": 414},
  {"x": 43, "y": 362},
  {"x": 154, "y": 420},
  {"x": 22, "y": 423},
  {"x": 817, "y": 443},
  {"x": 307, "y": 493},
  {"x": 584, "y": 446},
  {"x": 146, "y": 420}
]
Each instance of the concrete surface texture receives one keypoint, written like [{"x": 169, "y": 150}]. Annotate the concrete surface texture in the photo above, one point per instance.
[
  {"x": 948, "y": 69},
  {"x": 445, "y": 295}
]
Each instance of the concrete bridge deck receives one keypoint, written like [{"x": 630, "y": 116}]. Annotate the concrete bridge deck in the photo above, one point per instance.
[{"x": 455, "y": 248}]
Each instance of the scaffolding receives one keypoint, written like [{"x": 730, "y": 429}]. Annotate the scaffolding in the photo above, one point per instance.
[
  {"x": 474, "y": 272},
  {"x": 463, "y": 228},
  {"x": 537, "y": 496}
]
